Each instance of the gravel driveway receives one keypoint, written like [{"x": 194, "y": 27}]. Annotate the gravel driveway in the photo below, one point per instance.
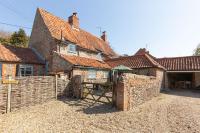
[{"x": 173, "y": 112}]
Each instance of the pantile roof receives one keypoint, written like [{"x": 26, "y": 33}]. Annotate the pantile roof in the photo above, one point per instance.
[
  {"x": 86, "y": 62},
  {"x": 188, "y": 63},
  {"x": 136, "y": 61},
  {"x": 80, "y": 37},
  {"x": 20, "y": 55},
  {"x": 142, "y": 59}
]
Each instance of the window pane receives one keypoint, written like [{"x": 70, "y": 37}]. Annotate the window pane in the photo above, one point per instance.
[
  {"x": 92, "y": 74},
  {"x": 99, "y": 56},
  {"x": 22, "y": 72},
  {"x": 26, "y": 70},
  {"x": 72, "y": 48}
]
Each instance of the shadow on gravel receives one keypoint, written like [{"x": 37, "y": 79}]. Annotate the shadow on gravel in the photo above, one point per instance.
[
  {"x": 183, "y": 92},
  {"x": 99, "y": 109},
  {"x": 88, "y": 107}
]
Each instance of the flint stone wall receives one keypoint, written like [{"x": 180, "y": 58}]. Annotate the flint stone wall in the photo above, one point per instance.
[{"x": 133, "y": 90}]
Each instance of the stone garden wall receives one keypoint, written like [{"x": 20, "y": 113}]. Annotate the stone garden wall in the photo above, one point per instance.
[{"x": 133, "y": 90}]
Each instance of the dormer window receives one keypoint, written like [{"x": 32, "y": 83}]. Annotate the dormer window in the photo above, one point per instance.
[
  {"x": 99, "y": 56},
  {"x": 72, "y": 48}
]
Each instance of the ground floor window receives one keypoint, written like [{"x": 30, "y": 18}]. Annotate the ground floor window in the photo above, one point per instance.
[
  {"x": 92, "y": 74},
  {"x": 25, "y": 70},
  {"x": 106, "y": 74}
]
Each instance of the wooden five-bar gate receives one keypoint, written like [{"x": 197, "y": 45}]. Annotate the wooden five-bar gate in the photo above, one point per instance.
[{"x": 98, "y": 92}]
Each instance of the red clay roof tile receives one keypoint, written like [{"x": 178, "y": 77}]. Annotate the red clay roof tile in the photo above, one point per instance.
[
  {"x": 21, "y": 55},
  {"x": 80, "y": 38},
  {"x": 86, "y": 62},
  {"x": 136, "y": 61},
  {"x": 188, "y": 63}
]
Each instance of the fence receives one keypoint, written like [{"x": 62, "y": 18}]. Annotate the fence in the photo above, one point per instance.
[{"x": 31, "y": 91}]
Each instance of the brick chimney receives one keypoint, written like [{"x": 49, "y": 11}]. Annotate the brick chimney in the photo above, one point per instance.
[
  {"x": 74, "y": 20},
  {"x": 104, "y": 36}
]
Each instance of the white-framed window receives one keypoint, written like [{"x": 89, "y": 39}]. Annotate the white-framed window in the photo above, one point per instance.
[
  {"x": 106, "y": 74},
  {"x": 72, "y": 48},
  {"x": 99, "y": 56},
  {"x": 92, "y": 74},
  {"x": 0, "y": 70},
  {"x": 25, "y": 70}
]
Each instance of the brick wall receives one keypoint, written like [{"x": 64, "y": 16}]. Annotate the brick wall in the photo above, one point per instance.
[
  {"x": 133, "y": 90},
  {"x": 11, "y": 69},
  {"x": 31, "y": 91}
]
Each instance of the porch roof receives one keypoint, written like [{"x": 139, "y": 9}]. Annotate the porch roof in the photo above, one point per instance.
[{"x": 85, "y": 62}]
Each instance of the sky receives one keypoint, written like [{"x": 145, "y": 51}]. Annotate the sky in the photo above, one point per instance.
[{"x": 166, "y": 28}]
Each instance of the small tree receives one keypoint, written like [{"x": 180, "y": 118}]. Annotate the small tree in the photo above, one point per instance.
[
  {"x": 197, "y": 50},
  {"x": 19, "y": 38}
]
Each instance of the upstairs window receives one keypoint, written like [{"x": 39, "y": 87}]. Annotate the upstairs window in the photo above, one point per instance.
[
  {"x": 0, "y": 70},
  {"x": 72, "y": 48},
  {"x": 25, "y": 70},
  {"x": 99, "y": 56},
  {"x": 92, "y": 74}
]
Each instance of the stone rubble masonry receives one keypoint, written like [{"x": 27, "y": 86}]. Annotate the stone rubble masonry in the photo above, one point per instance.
[
  {"x": 133, "y": 90},
  {"x": 31, "y": 91}
]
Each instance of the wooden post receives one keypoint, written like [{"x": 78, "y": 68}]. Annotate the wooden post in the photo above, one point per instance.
[
  {"x": 8, "y": 109},
  {"x": 56, "y": 87}
]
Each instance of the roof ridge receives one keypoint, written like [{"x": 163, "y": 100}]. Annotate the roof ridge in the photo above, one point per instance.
[
  {"x": 5, "y": 45},
  {"x": 178, "y": 57},
  {"x": 154, "y": 62},
  {"x": 151, "y": 60},
  {"x": 122, "y": 57}
]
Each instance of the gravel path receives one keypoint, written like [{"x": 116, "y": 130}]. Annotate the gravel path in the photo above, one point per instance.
[{"x": 174, "y": 112}]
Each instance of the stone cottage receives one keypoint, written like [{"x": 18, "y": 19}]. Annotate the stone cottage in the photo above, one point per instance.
[
  {"x": 173, "y": 72},
  {"x": 68, "y": 49},
  {"x": 16, "y": 61}
]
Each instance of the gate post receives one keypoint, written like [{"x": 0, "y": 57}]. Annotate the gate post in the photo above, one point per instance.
[
  {"x": 122, "y": 96},
  {"x": 8, "y": 109},
  {"x": 9, "y": 82},
  {"x": 56, "y": 87},
  {"x": 77, "y": 86}
]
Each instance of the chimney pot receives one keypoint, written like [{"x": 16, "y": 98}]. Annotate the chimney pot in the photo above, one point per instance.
[
  {"x": 74, "y": 13},
  {"x": 104, "y": 36}
]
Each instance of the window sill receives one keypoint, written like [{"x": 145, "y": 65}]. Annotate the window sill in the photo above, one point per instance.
[{"x": 71, "y": 52}]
